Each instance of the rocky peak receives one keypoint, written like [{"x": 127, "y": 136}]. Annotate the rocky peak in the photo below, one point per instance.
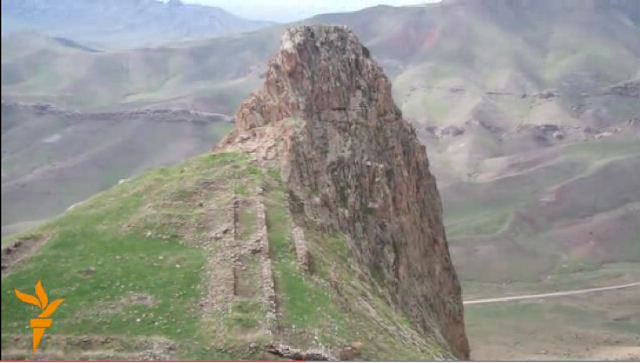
[
  {"x": 352, "y": 164},
  {"x": 319, "y": 69}
]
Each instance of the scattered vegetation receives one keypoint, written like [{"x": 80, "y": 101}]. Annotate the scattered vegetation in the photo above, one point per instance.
[{"x": 134, "y": 264}]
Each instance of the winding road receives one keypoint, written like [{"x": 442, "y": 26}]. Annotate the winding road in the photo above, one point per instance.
[{"x": 552, "y": 294}]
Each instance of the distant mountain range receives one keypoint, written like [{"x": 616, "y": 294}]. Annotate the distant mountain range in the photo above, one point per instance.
[
  {"x": 121, "y": 23},
  {"x": 530, "y": 111},
  {"x": 503, "y": 62}
]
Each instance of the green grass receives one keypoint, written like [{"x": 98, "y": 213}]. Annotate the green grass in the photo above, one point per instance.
[
  {"x": 311, "y": 307},
  {"x": 572, "y": 51},
  {"x": 91, "y": 157},
  {"x": 247, "y": 221},
  {"x": 556, "y": 324},
  {"x": 101, "y": 254},
  {"x": 628, "y": 327},
  {"x": 246, "y": 314},
  {"x": 305, "y": 304},
  {"x": 531, "y": 316},
  {"x": 123, "y": 264},
  {"x": 219, "y": 130},
  {"x": 603, "y": 149},
  {"x": 483, "y": 224},
  {"x": 109, "y": 237},
  {"x": 575, "y": 265},
  {"x": 559, "y": 281}
]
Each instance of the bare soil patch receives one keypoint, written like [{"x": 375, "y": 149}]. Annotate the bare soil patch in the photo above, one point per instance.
[{"x": 16, "y": 252}]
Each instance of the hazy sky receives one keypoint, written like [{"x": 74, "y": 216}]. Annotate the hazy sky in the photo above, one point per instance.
[{"x": 290, "y": 10}]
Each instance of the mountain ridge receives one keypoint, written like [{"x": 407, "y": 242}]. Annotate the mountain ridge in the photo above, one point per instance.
[
  {"x": 122, "y": 24},
  {"x": 431, "y": 60},
  {"x": 275, "y": 248},
  {"x": 353, "y": 164}
]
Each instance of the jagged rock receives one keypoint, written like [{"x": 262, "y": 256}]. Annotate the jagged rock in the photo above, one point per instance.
[
  {"x": 298, "y": 354},
  {"x": 325, "y": 111}
]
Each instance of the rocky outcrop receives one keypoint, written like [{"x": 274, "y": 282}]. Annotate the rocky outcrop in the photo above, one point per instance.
[
  {"x": 287, "y": 352},
  {"x": 300, "y": 243},
  {"x": 327, "y": 117}
]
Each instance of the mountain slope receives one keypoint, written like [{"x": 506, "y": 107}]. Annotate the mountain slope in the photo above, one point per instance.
[
  {"x": 498, "y": 62},
  {"x": 176, "y": 273},
  {"x": 545, "y": 219},
  {"x": 196, "y": 75},
  {"x": 493, "y": 60},
  {"x": 353, "y": 164},
  {"x": 266, "y": 251},
  {"x": 53, "y": 158},
  {"x": 121, "y": 24},
  {"x": 529, "y": 111}
]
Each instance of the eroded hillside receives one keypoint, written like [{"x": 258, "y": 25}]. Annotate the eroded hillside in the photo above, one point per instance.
[
  {"x": 267, "y": 248},
  {"x": 506, "y": 63},
  {"x": 54, "y": 158},
  {"x": 124, "y": 23}
]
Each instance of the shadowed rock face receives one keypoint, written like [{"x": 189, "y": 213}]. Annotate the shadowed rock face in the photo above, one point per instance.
[{"x": 354, "y": 165}]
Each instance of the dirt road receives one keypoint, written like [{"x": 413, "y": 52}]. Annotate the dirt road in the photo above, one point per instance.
[{"x": 552, "y": 294}]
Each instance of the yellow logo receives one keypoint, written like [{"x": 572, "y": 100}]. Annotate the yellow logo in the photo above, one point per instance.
[{"x": 40, "y": 324}]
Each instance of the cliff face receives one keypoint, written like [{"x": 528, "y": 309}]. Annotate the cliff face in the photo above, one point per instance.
[{"x": 327, "y": 118}]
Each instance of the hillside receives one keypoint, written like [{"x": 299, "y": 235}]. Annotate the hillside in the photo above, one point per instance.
[
  {"x": 492, "y": 61},
  {"x": 265, "y": 248},
  {"x": 574, "y": 65},
  {"x": 54, "y": 158},
  {"x": 506, "y": 62},
  {"x": 529, "y": 111},
  {"x": 538, "y": 216},
  {"x": 173, "y": 275},
  {"x": 196, "y": 76},
  {"x": 123, "y": 23}
]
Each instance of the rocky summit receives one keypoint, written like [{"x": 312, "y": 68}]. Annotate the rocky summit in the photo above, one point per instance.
[{"x": 326, "y": 118}]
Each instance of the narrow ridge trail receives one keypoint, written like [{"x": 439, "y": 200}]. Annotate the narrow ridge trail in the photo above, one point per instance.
[{"x": 552, "y": 294}]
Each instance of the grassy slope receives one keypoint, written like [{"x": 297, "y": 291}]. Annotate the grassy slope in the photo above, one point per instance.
[
  {"x": 49, "y": 163},
  {"x": 427, "y": 53},
  {"x": 600, "y": 327},
  {"x": 508, "y": 237},
  {"x": 138, "y": 266},
  {"x": 507, "y": 223},
  {"x": 34, "y": 69}
]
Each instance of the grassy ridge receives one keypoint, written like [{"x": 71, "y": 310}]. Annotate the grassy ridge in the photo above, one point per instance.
[
  {"x": 50, "y": 163},
  {"x": 118, "y": 279},
  {"x": 143, "y": 268}
]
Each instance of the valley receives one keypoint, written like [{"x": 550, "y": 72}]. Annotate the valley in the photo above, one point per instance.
[
  {"x": 54, "y": 158},
  {"x": 530, "y": 115}
]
